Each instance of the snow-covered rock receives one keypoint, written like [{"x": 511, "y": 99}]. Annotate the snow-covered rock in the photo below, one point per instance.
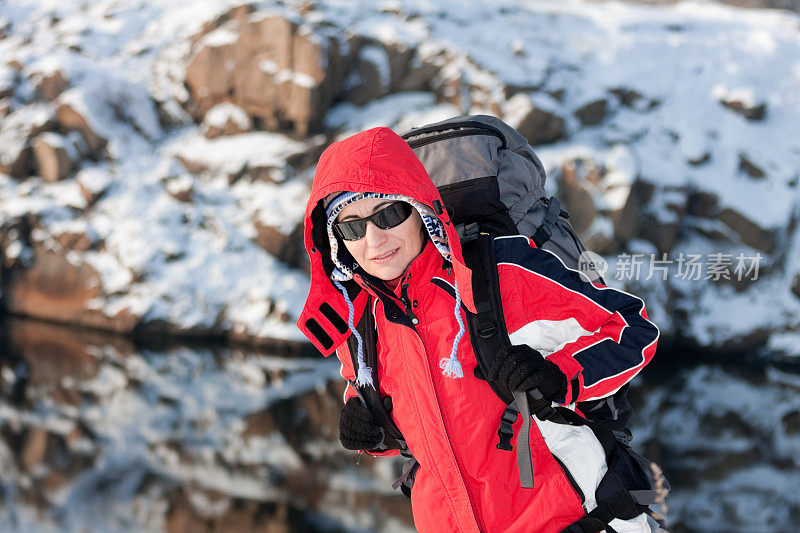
[{"x": 660, "y": 162}]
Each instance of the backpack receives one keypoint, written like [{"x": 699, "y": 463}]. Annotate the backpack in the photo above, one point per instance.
[{"x": 492, "y": 184}]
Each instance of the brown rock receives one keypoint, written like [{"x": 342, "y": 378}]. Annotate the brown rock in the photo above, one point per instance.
[
  {"x": 628, "y": 223},
  {"x": 6, "y": 85},
  {"x": 34, "y": 449},
  {"x": 601, "y": 243},
  {"x": 577, "y": 199},
  {"x": 627, "y": 97},
  {"x": 406, "y": 73},
  {"x": 751, "y": 233},
  {"x": 16, "y": 162},
  {"x": 74, "y": 241},
  {"x": 181, "y": 188},
  {"x": 294, "y": 252},
  {"x": 791, "y": 423},
  {"x": 702, "y": 160},
  {"x": 51, "y": 85},
  {"x": 210, "y": 73},
  {"x": 592, "y": 113},
  {"x": 270, "y": 238},
  {"x": 750, "y": 168},
  {"x": 663, "y": 235},
  {"x": 259, "y": 424},
  {"x": 541, "y": 127},
  {"x": 225, "y": 119},
  {"x": 370, "y": 77},
  {"x": 702, "y": 204},
  {"x": 71, "y": 120},
  {"x": 280, "y": 74},
  {"x": 51, "y": 156},
  {"x": 246, "y": 516},
  {"x": 796, "y": 285},
  {"x": 55, "y": 289},
  {"x": 747, "y": 110},
  {"x": 93, "y": 184},
  {"x": 16, "y": 131},
  {"x": 5, "y": 107},
  {"x": 264, "y": 65},
  {"x": 237, "y": 14}
]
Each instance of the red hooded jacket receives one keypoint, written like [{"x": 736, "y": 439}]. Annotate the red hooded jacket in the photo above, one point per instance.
[{"x": 599, "y": 337}]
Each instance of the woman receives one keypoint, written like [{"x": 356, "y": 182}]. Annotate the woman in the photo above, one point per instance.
[{"x": 377, "y": 246}]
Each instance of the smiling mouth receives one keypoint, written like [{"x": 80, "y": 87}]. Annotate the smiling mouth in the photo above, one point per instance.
[{"x": 385, "y": 257}]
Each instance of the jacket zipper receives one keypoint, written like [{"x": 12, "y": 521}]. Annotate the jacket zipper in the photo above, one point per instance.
[
  {"x": 444, "y": 136},
  {"x": 444, "y": 428},
  {"x": 407, "y": 303},
  {"x": 453, "y": 130}
]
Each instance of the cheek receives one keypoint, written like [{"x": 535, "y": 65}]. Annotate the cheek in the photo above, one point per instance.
[{"x": 355, "y": 248}]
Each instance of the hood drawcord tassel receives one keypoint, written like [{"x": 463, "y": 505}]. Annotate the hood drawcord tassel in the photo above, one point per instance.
[
  {"x": 451, "y": 367},
  {"x": 363, "y": 372}
]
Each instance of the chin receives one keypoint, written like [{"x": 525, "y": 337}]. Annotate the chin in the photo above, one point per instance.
[{"x": 388, "y": 274}]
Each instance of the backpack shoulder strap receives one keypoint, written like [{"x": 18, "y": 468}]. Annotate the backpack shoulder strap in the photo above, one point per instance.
[
  {"x": 488, "y": 334},
  {"x": 487, "y": 328},
  {"x": 393, "y": 437}
]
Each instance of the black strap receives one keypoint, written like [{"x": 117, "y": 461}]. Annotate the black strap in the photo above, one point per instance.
[
  {"x": 487, "y": 328},
  {"x": 489, "y": 335},
  {"x": 545, "y": 230},
  {"x": 371, "y": 394}
]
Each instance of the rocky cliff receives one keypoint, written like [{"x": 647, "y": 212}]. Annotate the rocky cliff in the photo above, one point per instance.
[{"x": 154, "y": 161}]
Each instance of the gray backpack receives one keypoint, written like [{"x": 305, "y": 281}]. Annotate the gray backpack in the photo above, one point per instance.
[{"x": 490, "y": 177}]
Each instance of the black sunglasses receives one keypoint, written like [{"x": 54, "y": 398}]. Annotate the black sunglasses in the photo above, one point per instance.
[{"x": 390, "y": 216}]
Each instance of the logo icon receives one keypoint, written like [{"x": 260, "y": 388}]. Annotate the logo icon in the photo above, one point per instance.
[{"x": 592, "y": 266}]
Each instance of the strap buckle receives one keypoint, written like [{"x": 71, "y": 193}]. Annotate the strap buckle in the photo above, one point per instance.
[
  {"x": 506, "y": 430},
  {"x": 468, "y": 232}
]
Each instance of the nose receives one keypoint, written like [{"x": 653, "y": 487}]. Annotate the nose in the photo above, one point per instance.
[{"x": 375, "y": 236}]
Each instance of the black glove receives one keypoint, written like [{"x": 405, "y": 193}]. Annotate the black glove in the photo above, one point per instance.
[
  {"x": 358, "y": 429},
  {"x": 521, "y": 368}
]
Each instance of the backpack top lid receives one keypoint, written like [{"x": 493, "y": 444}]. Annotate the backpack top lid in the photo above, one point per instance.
[{"x": 481, "y": 155}]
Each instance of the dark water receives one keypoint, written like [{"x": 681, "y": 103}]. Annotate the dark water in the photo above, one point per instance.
[{"x": 100, "y": 434}]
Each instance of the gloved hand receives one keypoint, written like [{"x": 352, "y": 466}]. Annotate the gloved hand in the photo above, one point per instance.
[
  {"x": 358, "y": 429},
  {"x": 521, "y": 368}
]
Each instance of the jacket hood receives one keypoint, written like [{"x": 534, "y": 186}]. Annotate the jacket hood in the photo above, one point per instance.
[{"x": 376, "y": 160}]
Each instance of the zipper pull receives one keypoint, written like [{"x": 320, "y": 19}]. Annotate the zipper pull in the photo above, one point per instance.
[{"x": 407, "y": 304}]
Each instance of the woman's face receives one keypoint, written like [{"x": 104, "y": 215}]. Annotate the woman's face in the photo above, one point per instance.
[{"x": 383, "y": 253}]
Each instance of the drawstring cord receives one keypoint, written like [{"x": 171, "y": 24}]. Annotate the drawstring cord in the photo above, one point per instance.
[
  {"x": 451, "y": 367},
  {"x": 363, "y": 373}
]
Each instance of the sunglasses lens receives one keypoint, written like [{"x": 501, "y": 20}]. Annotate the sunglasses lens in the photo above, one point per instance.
[
  {"x": 390, "y": 216},
  {"x": 351, "y": 230}
]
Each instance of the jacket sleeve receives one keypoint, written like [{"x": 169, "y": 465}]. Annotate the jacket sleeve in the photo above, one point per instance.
[
  {"x": 599, "y": 337},
  {"x": 348, "y": 373}
]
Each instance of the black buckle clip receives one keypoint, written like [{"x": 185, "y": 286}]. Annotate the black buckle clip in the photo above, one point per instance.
[
  {"x": 544, "y": 411},
  {"x": 506, "y": 430},
  {"x": 469, "y": 232}
]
